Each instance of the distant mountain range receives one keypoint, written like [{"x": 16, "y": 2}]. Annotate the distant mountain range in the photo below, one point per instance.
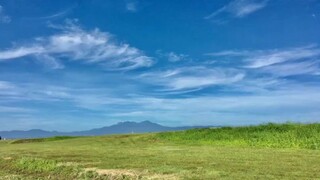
[{"x": 120, "y": 128}]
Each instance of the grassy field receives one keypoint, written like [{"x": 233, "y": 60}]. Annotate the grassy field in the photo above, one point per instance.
[{"x": 289, "y": 151}]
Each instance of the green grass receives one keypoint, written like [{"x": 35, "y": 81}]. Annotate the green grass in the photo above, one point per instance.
[{"x": 288, "y": 151}]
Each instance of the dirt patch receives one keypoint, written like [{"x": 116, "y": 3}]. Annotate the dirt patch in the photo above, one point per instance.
[
  {"x": 7, "y": 158},
  {"x": 132, "y": 174},
  {"x": 162, "y": 177},
  {"x": 114, "y": 172},
  {"x": 75, "y": 164},
  {"x": 169, "y": 148},
  {"x": 67, "y": 164},
  {"x": 10, "y": 177}
]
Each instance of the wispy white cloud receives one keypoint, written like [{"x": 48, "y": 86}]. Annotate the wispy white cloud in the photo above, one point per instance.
[
  {"x": 20, "y": 52},
  {"x": 49, "y": 61},
  {"x": 86, "y": 98},
  {"x": 296, "y": 68},
  {"x": 238, "y": 109},
  {"x": 230, "y": 53},
  {"x": 131, "y": 113},
  {"x": 207, "y": 109},
  {"x": 267, "y": 58},
  {"x": 75, "y": 43},
  {"x": 3, "y": 17},
  {"x": 58, "y": 14},
  {"x": 258, "y": 85},
  {"x": 131, "y": 6},
  {"x": 188, "y": 78},
  {"x": 280, "y": 62},
  {"x": 173, "y": 57},
  {"x": 5, "y": 85},
  {"x": 10, "y": 109},
  {"x": 239, "y": 8},
  {"x": 12, "y": 92}
]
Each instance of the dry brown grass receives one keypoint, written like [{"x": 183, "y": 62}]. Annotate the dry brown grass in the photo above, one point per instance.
[{"x": 131, "y": 174}]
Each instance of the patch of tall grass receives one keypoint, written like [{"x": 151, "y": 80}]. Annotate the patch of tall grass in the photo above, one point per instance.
[{"x": 289, "y": 135}]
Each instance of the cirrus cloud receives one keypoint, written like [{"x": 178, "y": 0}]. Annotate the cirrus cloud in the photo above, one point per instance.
[
  {"x": 3, "y": 17},
  {"x": 77, "y": 44},
  {"x": 279, "y": 62},
  {"x": 192, "y": 78},
  {"x": 237, "y": 9}
]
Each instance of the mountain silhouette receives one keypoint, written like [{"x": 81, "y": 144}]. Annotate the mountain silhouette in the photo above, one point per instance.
[{"x": 126, "y": 127}]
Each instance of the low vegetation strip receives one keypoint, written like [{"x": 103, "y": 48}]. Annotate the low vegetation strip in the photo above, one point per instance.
[
  {"x": 287, "y": 135},
  {"x": 56, "y": 138}
]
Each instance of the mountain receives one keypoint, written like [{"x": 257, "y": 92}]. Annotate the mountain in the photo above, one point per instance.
[
  {"x": 119, "y": 128},
  {"x": 34, "y": 133},
  {"x": 125, "y": 128}
]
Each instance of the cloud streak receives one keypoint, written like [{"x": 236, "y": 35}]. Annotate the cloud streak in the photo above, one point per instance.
[
  {"x": 296, "y": 68},
  {"x": 131, "y": 6},
  {"x": 192, "y": 78},
  {"x": 5, "y": 85},
  {"x": 173, "y": 57},
  {"x": 3, "y": 17},
  {"x": 263, "y": 59},
  {"x": 77, "y": 44},
  {"x": 280, "y": 62},
  {"x": 58, "y": 14},
  {"x": 238, "y": 9}
]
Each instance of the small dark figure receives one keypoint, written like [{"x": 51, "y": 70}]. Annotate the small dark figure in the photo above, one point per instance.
[{"x": 0, "y": 138}]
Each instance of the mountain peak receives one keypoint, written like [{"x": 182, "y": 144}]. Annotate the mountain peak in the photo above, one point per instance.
[
  {"x": 125, "y": 123},
  {"x": 147, "y": 122},
  {"x": 135, "y": 123}
]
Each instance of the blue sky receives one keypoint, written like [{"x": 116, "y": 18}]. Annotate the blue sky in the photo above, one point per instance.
[{"x": 75, "y": 65}]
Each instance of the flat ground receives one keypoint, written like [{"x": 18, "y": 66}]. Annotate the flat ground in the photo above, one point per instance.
[{"x": 155, "y": 156}]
